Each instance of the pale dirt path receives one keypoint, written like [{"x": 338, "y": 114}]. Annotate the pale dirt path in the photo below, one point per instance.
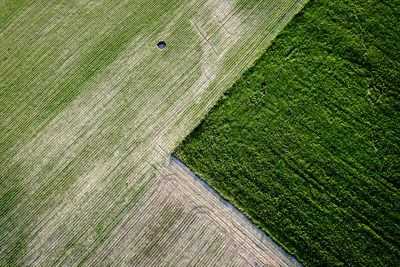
[{"x": 94, "y": 181}]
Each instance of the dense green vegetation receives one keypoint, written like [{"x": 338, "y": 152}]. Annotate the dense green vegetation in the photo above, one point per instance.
[{"x": 307, "y": 141}]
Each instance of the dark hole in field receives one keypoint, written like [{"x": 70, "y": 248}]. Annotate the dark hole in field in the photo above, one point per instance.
[{"x": 161, "y": 44}]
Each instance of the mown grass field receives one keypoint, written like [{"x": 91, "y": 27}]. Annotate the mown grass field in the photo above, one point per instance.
[
  {"x": 307, "y": 141},
  {"x": 90, "y": 109}
]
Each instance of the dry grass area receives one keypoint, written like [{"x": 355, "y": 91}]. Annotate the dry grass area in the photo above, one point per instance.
[{"x": 90, "y": 110}]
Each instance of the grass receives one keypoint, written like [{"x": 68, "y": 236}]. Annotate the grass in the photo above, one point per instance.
[
  {"x": 307, "y": 141},
  {"x": 87, "y": 100}
]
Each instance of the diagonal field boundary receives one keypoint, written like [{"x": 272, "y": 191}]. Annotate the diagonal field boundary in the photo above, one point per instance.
[{"x": 91, "y": 109}]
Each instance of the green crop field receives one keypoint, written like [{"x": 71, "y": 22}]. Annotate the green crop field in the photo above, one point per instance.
[
  {"x": 90, "y": 109},
  {"x": 307, "y": 141}
]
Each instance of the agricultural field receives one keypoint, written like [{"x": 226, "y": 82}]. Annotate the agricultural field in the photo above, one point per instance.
[
  {"x": 306, "y": 143},
  {"x": 91, "y": 109}
]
